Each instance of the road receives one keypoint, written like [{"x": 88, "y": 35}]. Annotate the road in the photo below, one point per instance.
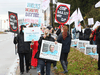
[{"x": 7, "y": 53}]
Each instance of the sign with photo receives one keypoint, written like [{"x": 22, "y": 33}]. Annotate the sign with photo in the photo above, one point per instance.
[
  {"x": 91, "y": 50},
  {"x": 82, "y": 44},
  {"x": 50, "y": 50},
  {"x": 74, "y": 43},
  {"x": 32, "y": 33},
  {"x": 13, "y": 22}
]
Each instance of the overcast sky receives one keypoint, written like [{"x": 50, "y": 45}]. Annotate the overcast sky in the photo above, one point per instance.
[{"x": 16, "y": 6}]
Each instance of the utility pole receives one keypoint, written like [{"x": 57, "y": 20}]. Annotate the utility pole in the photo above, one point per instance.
[{"x": 51, "y": 12}]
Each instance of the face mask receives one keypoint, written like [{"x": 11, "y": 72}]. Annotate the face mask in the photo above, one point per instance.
[{"x": 23, "y": 31}]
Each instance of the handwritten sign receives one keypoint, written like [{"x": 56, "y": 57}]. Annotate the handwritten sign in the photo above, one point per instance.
[
  {"x": 62, "y": 14},
  {"x": 13, "y": 22}
]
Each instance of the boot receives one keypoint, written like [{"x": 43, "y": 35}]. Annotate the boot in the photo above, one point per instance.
[{"x": 64, "y": 65}]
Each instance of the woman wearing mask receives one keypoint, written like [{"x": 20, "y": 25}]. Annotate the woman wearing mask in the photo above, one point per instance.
[
  {"x": 48, "y": 37},
  {"x": 23, "y": 50},
  {"x": 65, "y": 39}
]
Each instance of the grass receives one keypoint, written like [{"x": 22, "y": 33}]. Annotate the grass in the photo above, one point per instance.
[{"x": 79, "y": 64}]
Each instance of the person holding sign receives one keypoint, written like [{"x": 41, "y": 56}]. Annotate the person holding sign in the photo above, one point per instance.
[
  {"x": 65, "y": 39},
  {"x": 42, "y": 62},
  {"x": 23, "y": 50}
]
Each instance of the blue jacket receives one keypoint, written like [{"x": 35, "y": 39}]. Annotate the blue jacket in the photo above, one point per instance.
[{"x": 65, "y": 43}]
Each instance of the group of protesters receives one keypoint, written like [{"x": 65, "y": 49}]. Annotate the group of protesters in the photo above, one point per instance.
[
  {"x": 89, "y": 35},
  {"x": 31, "y": 50}
]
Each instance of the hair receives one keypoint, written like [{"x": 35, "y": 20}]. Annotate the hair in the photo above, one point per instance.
[
  {"x": 51, "y": 45},
  {"x": 22, "y": 26},
  {"x": 65, "y": 30}
]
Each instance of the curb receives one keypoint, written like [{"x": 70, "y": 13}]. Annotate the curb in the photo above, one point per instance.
[{"x": 14, "y": 67}]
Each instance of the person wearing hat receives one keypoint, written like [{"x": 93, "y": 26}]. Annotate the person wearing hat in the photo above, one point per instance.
[{"x": 23, "y": 50}]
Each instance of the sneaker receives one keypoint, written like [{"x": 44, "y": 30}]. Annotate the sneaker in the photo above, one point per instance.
[
  {"x": 55, "y": 67},
  {"x": 64, "y": 72}
]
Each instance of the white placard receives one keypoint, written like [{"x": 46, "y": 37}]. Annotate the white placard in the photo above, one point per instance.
[
  {"x": 32, "y": 12},
  {"x": 74, "y": 43},
  {"x": 91, "y": 50},
  {"x": 82, "y": 44},
  {"x": 32, "y": 33},
  {"x": 90, "y": 21},
  {"x": 50, "y": 50}
]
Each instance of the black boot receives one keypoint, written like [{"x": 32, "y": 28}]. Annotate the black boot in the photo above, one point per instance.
[{"x": 64, "y": 65}]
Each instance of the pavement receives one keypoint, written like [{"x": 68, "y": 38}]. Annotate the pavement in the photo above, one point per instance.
[{"x": 31, "y": 72}]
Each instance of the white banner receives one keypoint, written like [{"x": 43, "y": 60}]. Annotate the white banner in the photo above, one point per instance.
[
  {"x": 45, "y": 4},
  {"x": 97, "y": 5},
  {"x": 32, "y": 33},
  {"x": 96, "y": 24},
  {"x": 50, "y": 50},
  {"x": 73, "y": 16}
]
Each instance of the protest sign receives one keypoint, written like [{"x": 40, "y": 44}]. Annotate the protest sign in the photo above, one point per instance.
[
  {"x": 82, "y": 44},
  {"x": 90, "y": 21},
  {"x": 13, "y": 22},
  {"x": 32, "y": 33},
  {"x": 74, "y": 43},
  {"x": 50, "y": 50},
  {"x": 32, "y": 12},
  {"x": 91, "y": 50},
  {"x": 62, "y": 13}
]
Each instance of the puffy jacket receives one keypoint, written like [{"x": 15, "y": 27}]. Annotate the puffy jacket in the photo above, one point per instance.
[
  {"x": 23, "y": 47},
  {"x": 65, "y": 43}
]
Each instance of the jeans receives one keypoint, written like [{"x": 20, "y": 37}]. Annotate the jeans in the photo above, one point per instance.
[
  {"x": 94, "y": 43},
  {"x": 42, "y": 67},
  {"x": 38, "y": 68},
  {"x": 64, "y": 61}
]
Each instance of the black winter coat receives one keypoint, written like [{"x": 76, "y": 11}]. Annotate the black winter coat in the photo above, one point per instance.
[
  {"x": 23, "y": 47},
  {"x": 49, "y": 38},
  {"x": 98, "y": 42},
  {"x": 87, "y": 33},
  {"x": 65, "y": 43},
  {"x": 81, "y": 35}
]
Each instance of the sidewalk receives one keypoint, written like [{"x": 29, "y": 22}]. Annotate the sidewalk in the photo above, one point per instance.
[{"x": 31, "y": 72}]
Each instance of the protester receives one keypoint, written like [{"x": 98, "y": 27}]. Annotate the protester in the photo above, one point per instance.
[
  {"x": 81, "y": 35},
  {"x": 51, "y": 31},
  {"x": 65, "y": 39},
  {"x": 74, "y": 33},
  {"x": 43, "y": 62},
  {"x": 23, "y": 50},
  {"x": 93, "y": 36},
  {"x": 87, "y": 33},
  {"x": 35, "y": 49},
  {"x": 58, "y": 31},
  {"x": 98, "y": 45}
]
